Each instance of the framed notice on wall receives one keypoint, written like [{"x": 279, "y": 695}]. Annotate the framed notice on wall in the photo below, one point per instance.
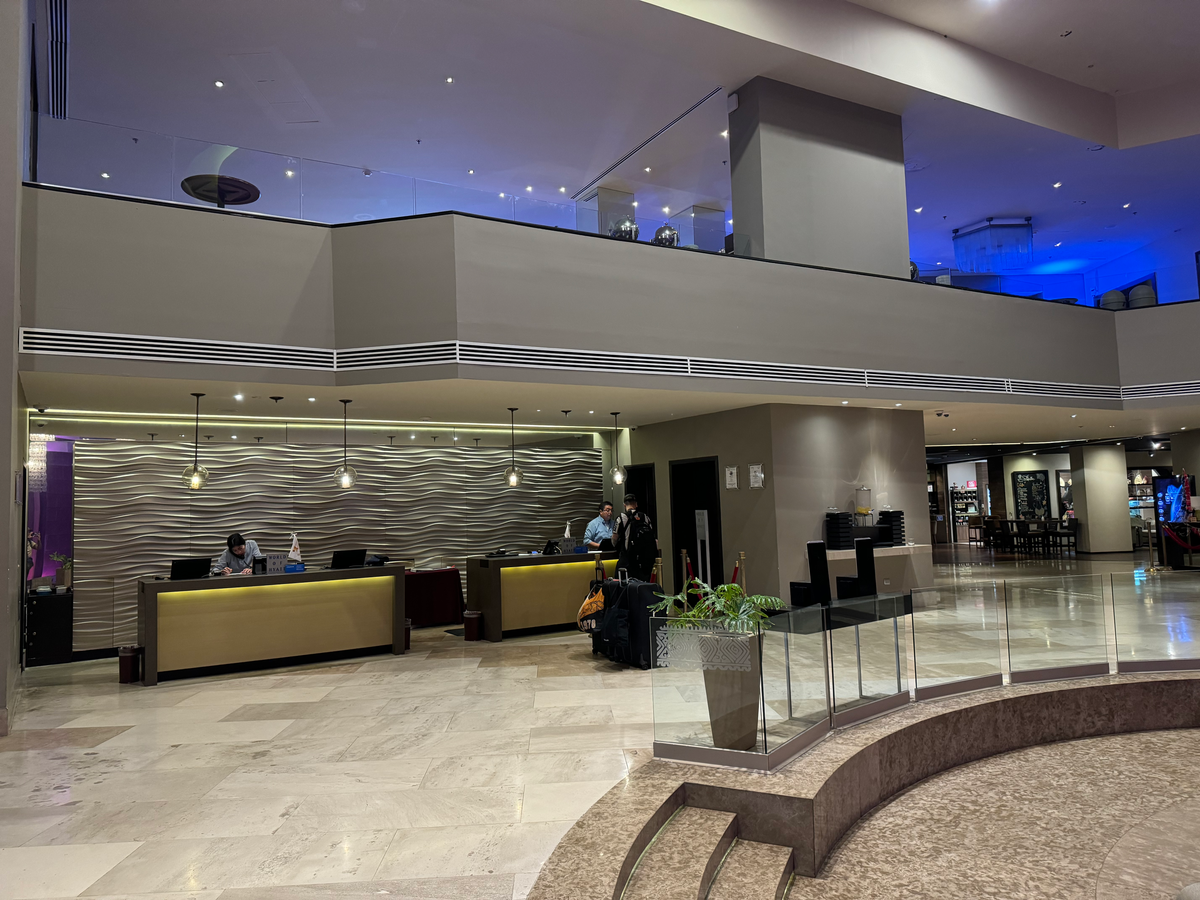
[
  {"x": 1031, "y": 494},
  {"x": 1066, "y": 500}
]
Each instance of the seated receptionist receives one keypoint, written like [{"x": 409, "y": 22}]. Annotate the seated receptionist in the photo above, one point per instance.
[{"x": 238, "y": 558}]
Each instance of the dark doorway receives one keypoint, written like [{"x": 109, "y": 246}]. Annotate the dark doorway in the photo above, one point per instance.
[
  {"x": 696, "y": 520},
  {"x": 640, "y": 483}
]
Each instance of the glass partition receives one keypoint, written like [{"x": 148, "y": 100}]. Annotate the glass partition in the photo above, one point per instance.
[
  {"x": 336, "y": 194},
  {"x": 867, "y": 656},
  {"x": 1156, "y": 618},
  {"x": 276, "y": 177},
  {"x": 1054, "y": 624},
  {"x": 956, "y": 637},
  {"x": 95, "y": 157},
  {"x": 795, "y": 693},
  {"x": 431, "y": 197}
]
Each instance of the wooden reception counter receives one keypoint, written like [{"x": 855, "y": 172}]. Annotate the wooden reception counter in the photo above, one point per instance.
[
  {"x": 240, "y": 619},
  {"x": 519, "y": 592}
]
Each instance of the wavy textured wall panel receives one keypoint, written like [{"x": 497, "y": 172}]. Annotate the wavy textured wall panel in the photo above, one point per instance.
[{"x": 133, "y": 515}]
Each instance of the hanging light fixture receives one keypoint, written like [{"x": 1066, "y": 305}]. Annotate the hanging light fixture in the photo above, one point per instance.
[
  {"x": 512, "y": 475},
  {"x": 195, "y": 476},
  {"x": 345, "y": 474},
  {"x": 618, "y": 472}
]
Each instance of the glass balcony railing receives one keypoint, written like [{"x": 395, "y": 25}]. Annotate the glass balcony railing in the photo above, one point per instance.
[{"x": 755, "y": 700}]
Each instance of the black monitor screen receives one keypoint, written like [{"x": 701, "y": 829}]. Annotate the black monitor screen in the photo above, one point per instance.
[
  {"x": 182, "y": 569},
  {"x": 348, "y": 559}
]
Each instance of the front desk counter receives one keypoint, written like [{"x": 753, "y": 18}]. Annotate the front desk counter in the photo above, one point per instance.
[
  {"x": 520, "y": 592},
  {"x": 240, "y": 619}
]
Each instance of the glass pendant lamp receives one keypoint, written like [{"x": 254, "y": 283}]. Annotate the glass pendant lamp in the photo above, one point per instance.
[
  {"x": 618, "y": 473},
  {"x": 195, "y": 476},
  {"x": 513, "y": 476},
  {"x": 344, "y": 475}
]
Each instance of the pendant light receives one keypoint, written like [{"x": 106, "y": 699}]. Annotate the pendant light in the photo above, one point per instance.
[
  {"x": 345, "y": 474},
  {"x": 618, "y": 472},
  {"x": 195, "y": 476},
  {"x": 512, "y": 475}
]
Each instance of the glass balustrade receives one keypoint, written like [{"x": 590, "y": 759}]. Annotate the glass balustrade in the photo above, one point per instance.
[{"x": 755, "y": 700}]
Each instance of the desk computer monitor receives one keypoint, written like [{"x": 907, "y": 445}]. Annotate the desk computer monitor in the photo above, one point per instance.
[
  {"x": 348, "y": 559},
  {"x": 190, "y": 568}
]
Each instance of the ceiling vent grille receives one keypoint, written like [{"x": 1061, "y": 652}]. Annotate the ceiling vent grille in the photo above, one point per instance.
[
  {"x": 58, "y": 33},
  {"x": 1052, "y": 389},
  {"x": 431, "y": 354},
  {"x": 756, "y": 371},
  {"x": 569, "y": 360},
  {"x": 175, "y": 350},
  {"x": 1169, "y": 389},
  {"x": 924, "y": 382}
]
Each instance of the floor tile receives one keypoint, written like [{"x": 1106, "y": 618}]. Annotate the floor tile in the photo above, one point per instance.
[
  {"x": 470, "y": 850},
  {"x": 32, "y": 872},
  {"x": 407, "y": 809},
  {"x": 272, "y": 780},
  {"x": 20, "y": 825},
  {"x": 168, "y": 820},
  {"x": 481, "y": 887},
  {"x": 562, "y": 802},
  {"x": 525, "y": 769},
  {"x": 52, "y": 738},
  {"x": 200, "y": 733},
  {"x": 462, "y": 743},
  {"x": 570, "y": 737}
]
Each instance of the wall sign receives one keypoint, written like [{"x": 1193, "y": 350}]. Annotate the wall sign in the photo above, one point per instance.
[
  {"x": 731, "y": 478},
  {"x": 757, "y": 478},
  {"x": 1031, "y": 494}
]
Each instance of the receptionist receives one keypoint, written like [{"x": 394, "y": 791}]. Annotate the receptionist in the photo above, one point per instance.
[
  {"x": 600, "y": 528},
  {"x": 238, "y": 558}
]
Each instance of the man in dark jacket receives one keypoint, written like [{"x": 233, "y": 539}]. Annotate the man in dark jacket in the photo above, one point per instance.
[{"x": 634, "y": 540}]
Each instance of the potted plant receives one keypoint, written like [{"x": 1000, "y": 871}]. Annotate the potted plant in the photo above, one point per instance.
[
  {"x": 65, "y": 569},
  {"x": 720, "y": 628}
]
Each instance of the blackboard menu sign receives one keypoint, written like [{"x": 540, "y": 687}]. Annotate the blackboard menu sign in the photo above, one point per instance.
[{"x": 1031, "y": 493}]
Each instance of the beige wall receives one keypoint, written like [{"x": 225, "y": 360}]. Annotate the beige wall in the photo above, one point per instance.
[
  {"x": 101, "y": 264},
  {"x": 1101, "y": 499},
  {"x": 1051, "y": 462}
]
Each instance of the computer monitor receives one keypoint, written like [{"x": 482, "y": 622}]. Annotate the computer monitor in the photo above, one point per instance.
[
  {"x": 182, "y": 569},
  {"x": 348, "y": 559}
]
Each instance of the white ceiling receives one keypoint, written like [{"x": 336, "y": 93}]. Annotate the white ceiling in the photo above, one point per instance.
[{"x": 1113, "y": 45}]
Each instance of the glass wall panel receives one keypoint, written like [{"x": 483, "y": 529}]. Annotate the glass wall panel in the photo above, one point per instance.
[
  {"x": 431, "y": 196},
  {"x": 1157, "y": 617},
  {"x": 1055, "y": 621},
  {"x": 795, "y": 697},
  {"x": 867, "y": 655},
  {"x": 276, "y": 177},
  {"x": 87, "y": 155},
  {"x": 335, "y": 194},
  {"x": 956, "y": 632}
]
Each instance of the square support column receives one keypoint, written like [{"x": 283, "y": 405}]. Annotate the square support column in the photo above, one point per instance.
[
  {"x": 818, "y": 180},
  {"x": 1101, "y": 495}
]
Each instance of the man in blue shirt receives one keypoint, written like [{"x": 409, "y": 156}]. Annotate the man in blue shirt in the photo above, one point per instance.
[{"x": 600, "y": 528}]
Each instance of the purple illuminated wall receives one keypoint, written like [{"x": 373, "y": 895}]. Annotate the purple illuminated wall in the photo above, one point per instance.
[{"x": 51, "y": 512}]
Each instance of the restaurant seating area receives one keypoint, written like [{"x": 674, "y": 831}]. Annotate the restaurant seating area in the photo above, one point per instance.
[{"x": 1033, "y": 537}]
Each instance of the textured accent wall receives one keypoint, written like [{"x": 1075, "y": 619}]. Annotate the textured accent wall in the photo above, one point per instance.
[{"x": 133, "y": 515}]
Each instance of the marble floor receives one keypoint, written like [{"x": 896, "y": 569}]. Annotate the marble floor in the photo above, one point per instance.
[
  {"x": 1112, "y": 818},
  {"x": 450, "y": 772}
]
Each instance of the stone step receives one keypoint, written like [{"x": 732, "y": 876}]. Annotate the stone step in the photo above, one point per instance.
[
  {"x": 753, "y": 871},
  {"x": 681, "y": 861}
]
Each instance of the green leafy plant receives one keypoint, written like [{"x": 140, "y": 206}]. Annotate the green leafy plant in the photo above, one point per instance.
[
  {"x": 67, "y": 562},
  {"x": 727, "y": 606}
]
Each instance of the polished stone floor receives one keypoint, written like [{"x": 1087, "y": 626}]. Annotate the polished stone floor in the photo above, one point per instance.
[
  {"x": 1113, "y": 818},
  {"x": 451, "y": 772}
]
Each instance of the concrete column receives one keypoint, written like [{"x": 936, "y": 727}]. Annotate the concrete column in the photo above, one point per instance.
[
  {"x": 818, "y": 180},
  {"x": 1101, "y": 499},
  {"x": 14, "y": 36},
  {"x": 1185, "y": 453}
]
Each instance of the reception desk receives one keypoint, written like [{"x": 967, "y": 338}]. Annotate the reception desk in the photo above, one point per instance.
[
  {"x": 240, "y": 619},
  {"x": 515, "y": 593}
]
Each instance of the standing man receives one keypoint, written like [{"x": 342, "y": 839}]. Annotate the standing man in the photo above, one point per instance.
[
  {"x": 634, "y": 539},
  {"x": 600, "y": 528}
]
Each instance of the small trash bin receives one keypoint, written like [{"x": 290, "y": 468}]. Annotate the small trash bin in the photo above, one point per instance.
[
  {"x": 129, "y": 660},
  {"x": 407, "y": 635},
  {"x": 472, "y": 625}
]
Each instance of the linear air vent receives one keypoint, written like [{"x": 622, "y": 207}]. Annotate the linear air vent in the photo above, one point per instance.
[
  {"x": 757, "y": 371},
  {"x": 1051, "y": 389},
  {"x": 176, "y": 350},
  {"x": 569, "y": 360},
  {"x": 1169, "y": 389},
  {"x": 924, "y": 382},
  {"x": 58, "y": 34},
  {"x": 431, "y": 354}
]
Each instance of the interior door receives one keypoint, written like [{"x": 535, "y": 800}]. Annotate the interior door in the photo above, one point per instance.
[{"x": 696, "y": 520}]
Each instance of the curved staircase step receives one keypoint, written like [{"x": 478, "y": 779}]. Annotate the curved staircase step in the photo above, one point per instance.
[
  {"x": 753, "y": 871},
  {"x": 683, "y": 859}
]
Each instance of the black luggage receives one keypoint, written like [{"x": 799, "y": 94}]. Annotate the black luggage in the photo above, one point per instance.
[{"x": 624, "y": 636}]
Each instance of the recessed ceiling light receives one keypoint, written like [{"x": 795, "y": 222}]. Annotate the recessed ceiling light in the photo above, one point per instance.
[
  {"x": 562, "y": 190},
  {"x": 1126, "y": 206},
  {"x": 647, "y": 168},
  {"x": 1035, "y": 453},
  {"x": 233, "y": 437},
  {"x": 1118, "y": 443},
  {"x": 288, "y": 172},
  {"x": 412, "y": 437},
  {"x": 731, "y": 221},
  {"x": 845, "y": 403},
  {"x": 238, "y": 397},
  {"x": 1058, "y": 184},
  {"x": 666, "y": 209},
  {"x": 529, "y": 187},
  {"x": 470, "y": 171},
  {"x": 954, "y": 429},
  {"x": 104, "y": 175},
  {"x": 591, "y": 412},
  {"x": 1059, "y": 244},
  {"x": 1073, "y": 415},
  {"x": 918, "y": 209},
  {"x": 725, "y": 133},
  {"x": 219, "y": 84},
  {"x": 502, "y": 196},
  {"x": 312, "y": 399},
  {"x": 635, "y": 204},
  {"x": 898, "y": 404},
  {"x": 449, "y": 80}
]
